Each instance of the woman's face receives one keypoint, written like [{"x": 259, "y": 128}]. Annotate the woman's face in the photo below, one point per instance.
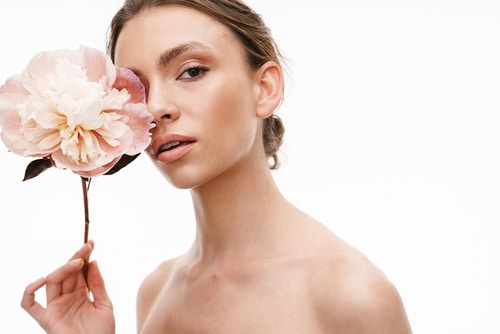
[{"x": 200, "y": 90}]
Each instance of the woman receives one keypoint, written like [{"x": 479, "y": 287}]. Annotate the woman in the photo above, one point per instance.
[{"x": 258, "y": 264}]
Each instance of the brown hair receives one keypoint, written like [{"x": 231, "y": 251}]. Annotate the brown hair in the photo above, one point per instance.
[{"x": 246, "y": 24}]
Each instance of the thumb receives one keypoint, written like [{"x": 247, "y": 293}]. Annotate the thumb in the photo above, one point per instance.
[{"x": 97, "y": 287}]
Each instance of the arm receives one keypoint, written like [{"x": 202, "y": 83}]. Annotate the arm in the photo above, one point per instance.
[
  {"x": 378, "y": 309},
  {"x": 72, "y": 306},
  {"x": 149, "y": 293},
  {"x": 359, "y": 299}
]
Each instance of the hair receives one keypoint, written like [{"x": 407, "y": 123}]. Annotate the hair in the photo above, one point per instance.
[{"x": 246, "y": 25}]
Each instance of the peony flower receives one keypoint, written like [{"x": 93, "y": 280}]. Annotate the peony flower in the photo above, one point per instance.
[{"x": 75, "y": 109}]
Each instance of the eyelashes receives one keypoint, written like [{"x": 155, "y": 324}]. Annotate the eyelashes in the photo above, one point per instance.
[{"x": 193, "y": 72}]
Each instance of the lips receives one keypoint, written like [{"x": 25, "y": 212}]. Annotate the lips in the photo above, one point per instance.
[{"x": 171, "y": 147}]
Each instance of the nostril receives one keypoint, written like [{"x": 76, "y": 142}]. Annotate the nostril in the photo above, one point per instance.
[{"x": 166, "y": 116}]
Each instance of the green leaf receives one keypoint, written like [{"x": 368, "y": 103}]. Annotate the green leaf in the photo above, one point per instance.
[
  {"x": 124, "y": 161},
  {"x": 36, "y": 167}
]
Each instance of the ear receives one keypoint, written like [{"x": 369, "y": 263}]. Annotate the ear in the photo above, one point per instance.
[{"x": 270, "y": 88}]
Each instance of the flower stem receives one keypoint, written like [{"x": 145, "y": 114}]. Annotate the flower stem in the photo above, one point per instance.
[{"x": 85, "y": 182}]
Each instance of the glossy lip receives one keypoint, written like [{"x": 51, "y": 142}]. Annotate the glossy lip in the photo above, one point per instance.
[{"x": 175, "y": 153}]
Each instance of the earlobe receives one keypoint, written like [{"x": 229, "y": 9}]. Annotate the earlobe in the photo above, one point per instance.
[{"x": 270, "y": 84}]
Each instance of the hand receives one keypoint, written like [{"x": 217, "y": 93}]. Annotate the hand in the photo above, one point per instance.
[{"x": 72, "y": 306}]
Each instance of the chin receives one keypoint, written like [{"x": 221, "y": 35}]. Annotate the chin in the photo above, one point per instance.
[{"x": 180, "y": 178}]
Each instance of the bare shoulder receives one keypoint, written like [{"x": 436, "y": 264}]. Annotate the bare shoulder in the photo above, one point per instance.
[
  {"x": 150, "y": 289},
  {"x": 352, "y": 295}
]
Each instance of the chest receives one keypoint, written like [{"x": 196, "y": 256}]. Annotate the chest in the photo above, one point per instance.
[{"x": 275, "y": 303}]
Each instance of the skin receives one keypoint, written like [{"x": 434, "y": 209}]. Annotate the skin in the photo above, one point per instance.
[
  {"x": 69, "y": 308},
  {"x": 258, "y": 263}
]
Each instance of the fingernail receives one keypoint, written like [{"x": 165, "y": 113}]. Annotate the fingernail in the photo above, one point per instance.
[
  {"x": 84, "y": 246},
  {"x": 75, "y": 262}
]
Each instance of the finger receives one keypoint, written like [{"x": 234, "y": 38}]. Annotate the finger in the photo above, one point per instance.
[
  {"x": 84, "y": 252},
  {"x": 67, "y": 274},
  {"x": 97, "y": 286},
  {"x": 70, "y": 283},
  {"x": 28, "y": 301}
]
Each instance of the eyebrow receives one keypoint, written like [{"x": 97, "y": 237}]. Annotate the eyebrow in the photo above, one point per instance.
[{"x": 169, "y": 55}]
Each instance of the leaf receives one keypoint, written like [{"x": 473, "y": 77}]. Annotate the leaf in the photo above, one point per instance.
[
  {"x": 36, "y": 167},
  {"x": 124, "y": 161}
]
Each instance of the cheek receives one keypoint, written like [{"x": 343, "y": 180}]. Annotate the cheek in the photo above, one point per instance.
[
  {"x": 231, "y": 103},
  {"x": 236, "y": 130},
  {"x": 231, "y": 120}
]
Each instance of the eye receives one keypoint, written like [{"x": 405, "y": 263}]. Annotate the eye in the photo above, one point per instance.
[{"x": 193, "y": 72}]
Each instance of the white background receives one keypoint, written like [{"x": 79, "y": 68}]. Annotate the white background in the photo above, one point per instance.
[{"x": 393, "y": 141}]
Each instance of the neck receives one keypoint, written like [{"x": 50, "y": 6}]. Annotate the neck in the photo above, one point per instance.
[{"x": 238, "y": 215}]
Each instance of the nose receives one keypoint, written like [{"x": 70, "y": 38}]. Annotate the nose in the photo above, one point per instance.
[{"x": 161, "y": 105}]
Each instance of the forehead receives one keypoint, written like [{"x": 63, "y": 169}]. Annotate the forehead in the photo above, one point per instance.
[{"x": 169, "y": 25}]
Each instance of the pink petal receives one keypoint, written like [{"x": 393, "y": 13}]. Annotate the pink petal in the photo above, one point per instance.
[
  {"x": 97, "y": 64},
  {"x": 98, "y": 171},
  {"x": 91, "y": 168},
  {"x": 140, "y": 123},
  {"x": 12, "y": 94},
  {"x": 126, "y": 79},
  {"x": 14, "y": 85}
]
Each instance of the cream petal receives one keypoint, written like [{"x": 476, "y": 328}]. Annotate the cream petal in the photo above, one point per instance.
[{"x": 44, "y": 113}]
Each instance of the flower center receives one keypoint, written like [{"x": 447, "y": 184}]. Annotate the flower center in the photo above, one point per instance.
[{"x": 65, "y": 131}]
